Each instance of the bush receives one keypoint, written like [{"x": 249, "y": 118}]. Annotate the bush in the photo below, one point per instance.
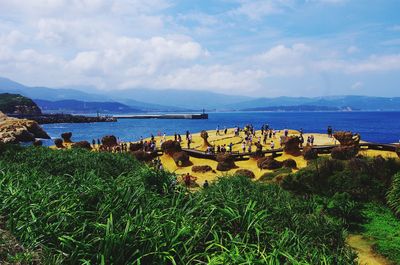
[
  {"x": 245, "y": 173},
  {"x": 393, "y": 196},
  {"x": 37, "y": 143},
  {"x": 268, "y": 176},
  {"x": 269, "y": 163}
]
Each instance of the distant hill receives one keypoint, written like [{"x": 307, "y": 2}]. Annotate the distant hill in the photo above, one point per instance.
[
  {"x": 77, "y": 106},
  {"x": 17, "y": 104},
  {"x": 59, "y": 94},
  {"x": 339, "y": 102},
  {"x": 294, "y": 108}
]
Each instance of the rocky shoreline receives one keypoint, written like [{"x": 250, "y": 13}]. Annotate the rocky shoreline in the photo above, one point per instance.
[
  {"x": 13, "y": 130},
  {"x": 63, "y": 118}
]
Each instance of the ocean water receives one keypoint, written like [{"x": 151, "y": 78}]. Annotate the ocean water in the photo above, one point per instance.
[{"x": 380, "y": 127}]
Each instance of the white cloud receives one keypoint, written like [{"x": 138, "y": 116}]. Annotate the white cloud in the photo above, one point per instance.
[{"x": 357, "y": 85}]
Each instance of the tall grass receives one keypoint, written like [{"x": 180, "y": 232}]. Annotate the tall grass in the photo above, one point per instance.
[{"x": 79, "y": 207}]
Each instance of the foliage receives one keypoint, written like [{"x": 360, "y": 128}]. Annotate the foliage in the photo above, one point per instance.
[
  {"x": 384, "y": 228},
  {"x": 363, "y": 179},
  {"x": 9, "y": 103},
  {"x": 100, "y": 208},
  {"x": 393, "y": 196}
]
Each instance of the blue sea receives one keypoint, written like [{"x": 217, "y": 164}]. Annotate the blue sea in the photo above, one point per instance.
[{"x": 381, "y": 127}]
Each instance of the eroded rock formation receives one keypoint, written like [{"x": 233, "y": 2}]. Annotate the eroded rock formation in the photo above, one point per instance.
[
  {"x": 269, "y": 163},
  {"x": 292, "y": 145},
  {"x": 14, "y": 130},
  {"x": 225, "y": 162}
]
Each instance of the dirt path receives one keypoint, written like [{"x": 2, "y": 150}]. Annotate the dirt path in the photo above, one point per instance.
[{"x": 366, "y": 255}]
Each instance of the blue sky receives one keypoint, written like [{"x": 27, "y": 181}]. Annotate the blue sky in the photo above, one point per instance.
[{"x": 256, "y": 48}]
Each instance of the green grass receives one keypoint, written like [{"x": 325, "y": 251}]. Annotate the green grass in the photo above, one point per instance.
[
  {"x": 99, "y": 208},
  {"x": 384, "y": 228}
]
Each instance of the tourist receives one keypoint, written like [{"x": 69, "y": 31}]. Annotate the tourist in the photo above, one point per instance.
[
  {"x": 272, "y": 145},
  {"x": 175, "y": 136},
  {"x": 94, "y": 143},
  {"x": 330, "y": 131},
  {"x": 179, "y": 138},
  {"x": 98, "y": 142},
  {"x": 230, "y": 147},
  {"x": 249, "y": 148},
  {"x": 225, "y": 131},
  {"x": 244, "y": 147},
  {"x": 187, "y": 135},
  {"x": 286, "y": 132},
  {"x": 205, "y": 185},
  {"x": 188, "y": 180},
  {"x": 217, "y": 131},
  {"x": 312, "y": 140}
]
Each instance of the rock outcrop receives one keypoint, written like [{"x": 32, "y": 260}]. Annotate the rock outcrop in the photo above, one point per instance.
[
  {"x": 349, "y": 145},
  {"x": 269, "y": 163},
  {"x": 292, "y": 145},
  {"x": 17, "y": 104},
  {"x": 14, "y": 130}
]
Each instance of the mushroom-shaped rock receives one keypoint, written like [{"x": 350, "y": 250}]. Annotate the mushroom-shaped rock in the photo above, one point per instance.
[
  {"x": 258, "y": 153},
  {"x": 143, "y": 156},
  {"x": 204, "y": 135},
  {"x": 309, "y": 153},
  {"x": 290, "y": 163},
  {"x": 268, "y": 163},
  {"x": 347, "y": 138},
  {"x": 201, "y": 169},
  {"x": 66, "y": 137},
  {"x": 82, "y": 145},
  {"x": 135, "y": 147},
  {"x": 109, "y": 141},
  {"x": 292, "y": 145},
  {"x": 59, "y": 143},
  {"x": 170, "y": 147},
  {"x": 245, "y": 172},
  {"x": 181, "y": 159},
  {"x": 225, "y": 162}
]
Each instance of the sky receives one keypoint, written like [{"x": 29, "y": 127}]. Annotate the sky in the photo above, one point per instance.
[{"x": 259, "y": 48}]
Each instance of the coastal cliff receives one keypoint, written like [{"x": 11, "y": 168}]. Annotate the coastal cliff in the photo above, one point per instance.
[
  {"x": 18, "y": 105},
  {"x": 14, "y": 130}
]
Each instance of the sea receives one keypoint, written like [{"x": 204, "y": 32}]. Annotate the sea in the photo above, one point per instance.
[{"x": 379, "y": 127}]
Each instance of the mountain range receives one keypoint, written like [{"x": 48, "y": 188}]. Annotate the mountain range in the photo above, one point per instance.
[{"x": 139, "y": 100}]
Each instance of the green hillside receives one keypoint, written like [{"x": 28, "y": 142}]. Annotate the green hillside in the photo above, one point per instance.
[{"x": 17, "y": 104}]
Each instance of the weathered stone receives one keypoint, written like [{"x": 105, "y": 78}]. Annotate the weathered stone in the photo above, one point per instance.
[
  {"x": 245, "y": 172},
  {"x": 82, "y": 144},
  {"x": 269, "y": 163},
  {"x": 309, "y": 153},
  {"x": 109, "y": 141},
  {"x": 170, "y": 147},
  {"x": 66, "y": 137},
  {"x": 181, "y": 159},
  {"x": 292, "y": 145},
  {"x": 201, "y": 169},
  {"x": 225, "y": 162}
]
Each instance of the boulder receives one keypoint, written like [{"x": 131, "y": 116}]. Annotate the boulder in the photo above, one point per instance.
[
  {"x": 289, "y": 163},
  {"x": 135, "y": 147},
  {"x": 245, "y": 172},
  {"x": 59, "y": 143},
  {"x": 143, "y": 156},
  {"x": 82, "y": 144},
  {"x": 181, "y": 159},
  {"x": 292, "y": 145},
  {"x": 269, "y": 163},
  {"x": 344, "y": 152},
  {"x": 225, "y": 162},
  {"x": 309, "y": 153},
  {"x": 258, "y": 153},
  {"x": 66, "y": 137},
  {"x": 201, "y": 169},
  {"x": 109, "y": 141},
  {"x": 37, "y": 143},
  {"x": 170, "y": 147}
]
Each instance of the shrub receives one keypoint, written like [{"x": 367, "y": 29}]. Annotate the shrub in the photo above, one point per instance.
[
  {"x": 393, "y": 196},
  {"x": 66, "y": 137},
  {"x": 246, "y": 173},
  {"x": 269, "y": 163}
]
